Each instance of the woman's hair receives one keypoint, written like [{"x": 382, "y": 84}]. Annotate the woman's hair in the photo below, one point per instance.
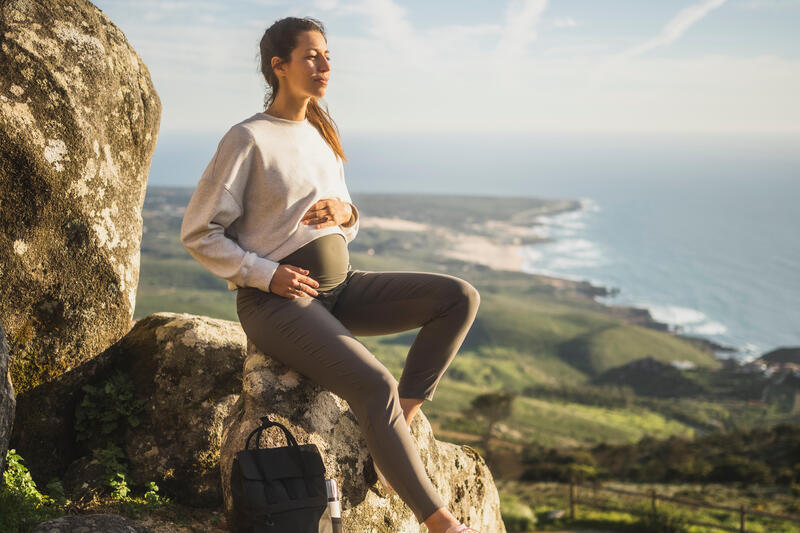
[{"x": 279, "y": 40}]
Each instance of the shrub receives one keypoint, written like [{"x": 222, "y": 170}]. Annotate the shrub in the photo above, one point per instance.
[
  {"x": 107, "y": 408},
  {"x": 22, "y": 506}
]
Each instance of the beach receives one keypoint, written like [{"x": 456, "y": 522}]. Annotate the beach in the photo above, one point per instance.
[{"x": 472, "y": 248}]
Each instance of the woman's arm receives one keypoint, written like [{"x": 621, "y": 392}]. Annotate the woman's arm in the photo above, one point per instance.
[
  {"x": 350, "y": 228},
  {"x": 213, "y": 207}
]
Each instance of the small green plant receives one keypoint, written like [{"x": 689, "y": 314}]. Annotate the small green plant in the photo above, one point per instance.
[
  {"x": 104, "y": 412},
  {"x": 151, "y": 496},
  {"x": 134, "y": 506},
  {"x": 663, "y": 521},
  {"x": 55, "y": 489},
  {"x": 22, "y": 506},
  {"x": 112, "y": 458},
  {"x": 105, "y": 408},
  {"x": 116, "y": 471}
]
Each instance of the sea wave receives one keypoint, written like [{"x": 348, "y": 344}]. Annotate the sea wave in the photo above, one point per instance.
[
  {"x": 685, "y": 319},
  {"x": 573, "y": 255},
  {"x": 563, "y": 254}
]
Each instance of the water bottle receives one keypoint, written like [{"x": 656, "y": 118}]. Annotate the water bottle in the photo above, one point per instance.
[{"x": 333, "y": 505}]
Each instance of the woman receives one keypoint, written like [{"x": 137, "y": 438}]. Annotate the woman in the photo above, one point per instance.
[{"x": 271, "y": 214}]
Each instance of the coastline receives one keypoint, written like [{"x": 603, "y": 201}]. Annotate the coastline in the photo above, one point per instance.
[{"x": 500, "y": 245}]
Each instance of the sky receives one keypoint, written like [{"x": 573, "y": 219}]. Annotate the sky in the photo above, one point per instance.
[{"x": 466, "y": 66}]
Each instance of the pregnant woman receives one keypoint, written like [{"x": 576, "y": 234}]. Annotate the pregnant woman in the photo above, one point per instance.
[{"x": 272, "y": 215}]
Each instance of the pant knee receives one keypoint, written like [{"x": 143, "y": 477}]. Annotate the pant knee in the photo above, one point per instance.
[
  {"x": 382, "y": 386},
  {"x": 466, "y": 294},
  {"x": 472, "y": 296},
  {"x": 376, "y": 396}
]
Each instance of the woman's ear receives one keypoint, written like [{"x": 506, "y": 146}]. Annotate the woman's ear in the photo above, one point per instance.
[{"x": 277, "y": 65}]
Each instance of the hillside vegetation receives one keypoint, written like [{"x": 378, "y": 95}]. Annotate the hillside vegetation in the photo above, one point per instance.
[{"x": 545, "y": 340}]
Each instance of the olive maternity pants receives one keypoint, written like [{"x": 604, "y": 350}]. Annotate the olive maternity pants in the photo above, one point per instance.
[{"x": 315, "y": 336}]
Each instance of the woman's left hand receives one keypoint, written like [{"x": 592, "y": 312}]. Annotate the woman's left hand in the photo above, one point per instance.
[{"x": 328, "y": 212}]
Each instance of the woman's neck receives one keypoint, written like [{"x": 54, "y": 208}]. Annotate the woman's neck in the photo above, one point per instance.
[{"x": 289, "y": 108}]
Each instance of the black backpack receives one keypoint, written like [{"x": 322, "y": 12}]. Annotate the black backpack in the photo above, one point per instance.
[{"x": 280, "y": 489}]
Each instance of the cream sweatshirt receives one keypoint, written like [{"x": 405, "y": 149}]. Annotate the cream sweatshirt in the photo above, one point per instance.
[{"x": 244, "y": 216}]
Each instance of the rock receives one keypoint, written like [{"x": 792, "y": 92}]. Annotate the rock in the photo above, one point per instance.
[
  {"x": 79, "y": 118},
  {"x": 190, "y": 373},
  {"x": 83, "y": 479},
  {"x": 315, "y": 415},
  {"x": 107, "y": 523},
  {"x": 187, "y": 371},
  {"x": 7, "y": 402},
  {"x": 45, "y": 419}
]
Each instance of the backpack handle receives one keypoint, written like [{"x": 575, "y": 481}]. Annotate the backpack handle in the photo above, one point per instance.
[{"x": 266, "y": 423}]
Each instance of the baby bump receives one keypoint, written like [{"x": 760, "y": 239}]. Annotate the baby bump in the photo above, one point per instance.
[{"x": 326, "y": 258}]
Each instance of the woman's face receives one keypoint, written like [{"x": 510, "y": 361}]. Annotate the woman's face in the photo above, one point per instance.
[{"x": 308, "y": 71}]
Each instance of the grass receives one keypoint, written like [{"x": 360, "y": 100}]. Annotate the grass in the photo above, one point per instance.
[
  {"x": 546, "y": 497},
  {"x": 213, "y": 303}
]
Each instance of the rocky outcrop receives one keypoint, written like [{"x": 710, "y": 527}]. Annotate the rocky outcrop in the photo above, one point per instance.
[
  {"x": 78, "y": 125},
  {"x": 185, "y": 372},
  {"x": 782, "y": 356},
  {"x": 107, "y": 523},
  {"x": 196, "y": 410},
  {"x": 7, "y": 402},
  {"x": 317, "y": 416}
]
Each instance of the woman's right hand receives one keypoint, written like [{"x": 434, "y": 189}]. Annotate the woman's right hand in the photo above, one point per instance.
[{"x": 290, "y": 281}]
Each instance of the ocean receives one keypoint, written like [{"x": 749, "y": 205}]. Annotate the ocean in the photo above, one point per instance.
[{"x": 701, "y": 229}]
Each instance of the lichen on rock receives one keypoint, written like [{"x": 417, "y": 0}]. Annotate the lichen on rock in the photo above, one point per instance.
[{"x": 79, "y": 120}]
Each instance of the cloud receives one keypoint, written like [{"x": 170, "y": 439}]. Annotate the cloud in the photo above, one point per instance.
[
  {"x": 521, "y": 22},
  {"x": 389, "y": 24},
  {"x": 391, "y": 75},
  {"x": 326, "y": 5},
  {"x": 676, "y": 27},
  {"x": 565, "y": 22}
]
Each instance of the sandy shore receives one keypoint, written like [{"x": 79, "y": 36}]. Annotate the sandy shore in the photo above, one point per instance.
[
  {"x": 482, "y": 250},
  {"x": 468, "y": 247},
  {"x": 393, "y": 224}
]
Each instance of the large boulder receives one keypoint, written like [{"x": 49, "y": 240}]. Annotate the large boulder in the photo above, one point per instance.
[
  {"x": 78, "y": 126},
  {"x": 315, "y": 415},
  {"x": 7, "y": 402},
  {"x": 189, "y": 373},
  {"x": 185, "y": 374}
]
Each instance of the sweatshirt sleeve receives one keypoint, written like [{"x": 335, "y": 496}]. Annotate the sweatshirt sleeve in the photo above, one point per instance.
[
  {"x": 351, "y": 230},
  {"x": 213, "y": 207}
]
